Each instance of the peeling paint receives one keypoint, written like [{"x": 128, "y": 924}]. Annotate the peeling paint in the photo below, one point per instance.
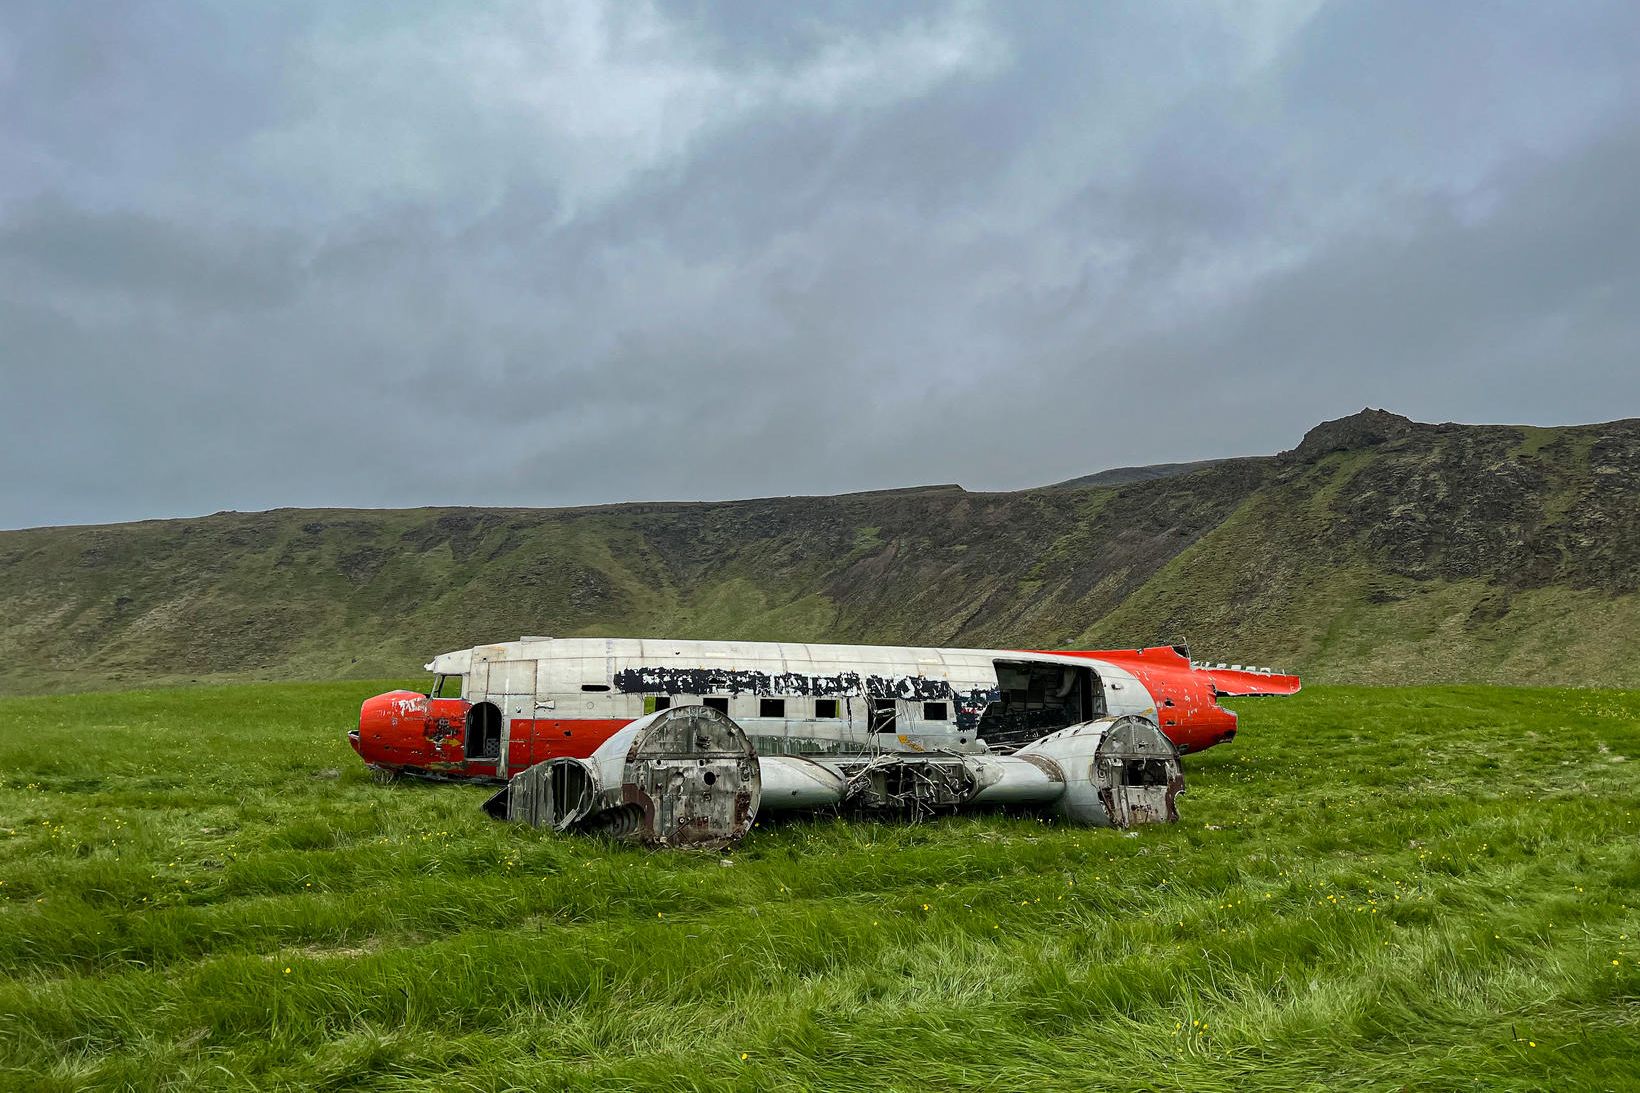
[{"x": 710, "y": 681}]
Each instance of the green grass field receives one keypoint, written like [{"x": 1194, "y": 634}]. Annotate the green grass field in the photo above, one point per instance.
[{"x": 1425, "y": 888}]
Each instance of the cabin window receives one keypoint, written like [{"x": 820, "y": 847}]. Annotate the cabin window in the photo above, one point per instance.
[
  {"x": 484, "y": 731},
  {"x": 771, "y": 707},
  {"x": 594, "y": 686},
  {"x": 825, "y": 707},
  {"x": 652, "y": 703},
  {"x": 882, "y": 715},
  {"x": 935, "y": 711},
  {"x": 720, "y": 704}
]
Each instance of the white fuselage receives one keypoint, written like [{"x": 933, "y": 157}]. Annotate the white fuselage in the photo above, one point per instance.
[{"x": 790, "y": 698}]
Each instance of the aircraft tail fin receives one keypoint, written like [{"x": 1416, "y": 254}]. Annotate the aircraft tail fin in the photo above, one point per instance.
[{"x": 1235, "y": 680}]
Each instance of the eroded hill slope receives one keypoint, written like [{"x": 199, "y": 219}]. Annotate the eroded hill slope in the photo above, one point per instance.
[{"x": 1379, "y": 549}]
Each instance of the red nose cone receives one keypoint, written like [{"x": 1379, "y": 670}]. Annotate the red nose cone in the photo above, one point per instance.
[{"x": 393, "y": 730}]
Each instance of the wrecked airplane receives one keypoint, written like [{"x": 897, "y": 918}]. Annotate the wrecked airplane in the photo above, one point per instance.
[
  {"x": 886, "y": 728},
  {"x": 494, "y": 710}
]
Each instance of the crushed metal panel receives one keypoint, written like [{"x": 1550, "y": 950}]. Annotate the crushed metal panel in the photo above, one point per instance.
[
  {"x": 457, "y": 663},
  {"x": 558, "y": 794}
]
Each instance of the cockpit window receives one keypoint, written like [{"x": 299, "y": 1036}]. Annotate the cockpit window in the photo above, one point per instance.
[{"x": 445, "y": 686}]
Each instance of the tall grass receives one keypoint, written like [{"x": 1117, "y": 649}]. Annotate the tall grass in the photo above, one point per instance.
[{"x": 1430, "y": 888}]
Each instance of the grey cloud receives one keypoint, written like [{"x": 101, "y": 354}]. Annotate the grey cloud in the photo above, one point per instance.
[
  {"x": 576, "y": 252},
  {"x": 61, "y": 248}
]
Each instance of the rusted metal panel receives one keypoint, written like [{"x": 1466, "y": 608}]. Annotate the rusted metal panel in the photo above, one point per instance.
[
  {"x": 1139, "y": 775},
  {"x": 694, "y": 777}
]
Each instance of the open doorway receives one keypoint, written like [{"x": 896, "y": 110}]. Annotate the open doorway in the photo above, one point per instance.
[
  {"x": 1036, "y": 698},
  {"x": 484, "y": 731}
]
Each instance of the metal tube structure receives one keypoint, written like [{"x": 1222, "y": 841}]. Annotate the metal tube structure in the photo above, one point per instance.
[{"x": 792, "y": 782}]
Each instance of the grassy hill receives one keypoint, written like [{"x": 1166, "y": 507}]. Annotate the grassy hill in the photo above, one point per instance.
[
  {"x": 1378, "y": 550},
  {"x": 1430, "y": 888}
]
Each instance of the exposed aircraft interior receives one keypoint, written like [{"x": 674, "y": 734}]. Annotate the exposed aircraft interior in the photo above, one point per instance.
[{"x": 1035, "y": 699}]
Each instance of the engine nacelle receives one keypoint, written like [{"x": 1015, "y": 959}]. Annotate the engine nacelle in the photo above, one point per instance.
[
  {"x": 689, "y": 777},
  {"x": 679, "y": 777},
  {"x": 1118, "y": 771}
]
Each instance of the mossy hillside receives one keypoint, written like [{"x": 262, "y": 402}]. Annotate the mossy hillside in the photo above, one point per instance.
[{"x": 1378, "y": 550}]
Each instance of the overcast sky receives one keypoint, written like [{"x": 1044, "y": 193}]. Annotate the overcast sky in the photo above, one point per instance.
[{"x": 558, "y": 253}]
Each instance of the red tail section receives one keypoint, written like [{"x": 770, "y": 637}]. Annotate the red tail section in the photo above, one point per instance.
[{"x": 1186, "y": 695}]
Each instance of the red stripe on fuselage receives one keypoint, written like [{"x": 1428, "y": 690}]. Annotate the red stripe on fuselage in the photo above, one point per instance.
[{"x": 535, "y": 741}]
